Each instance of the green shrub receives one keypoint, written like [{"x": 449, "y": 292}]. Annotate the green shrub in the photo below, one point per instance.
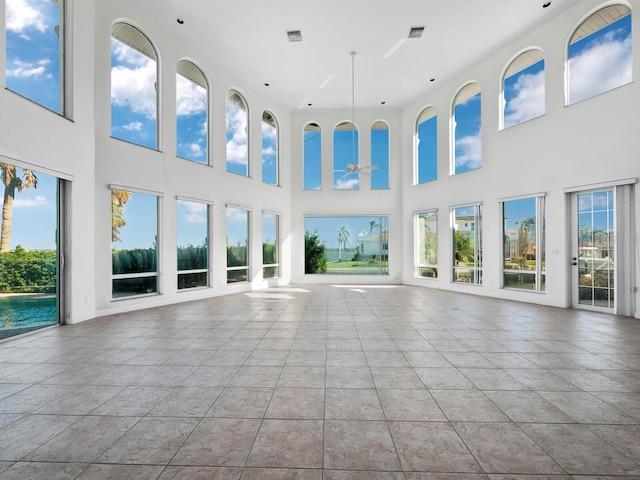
[{"x": 23, "y": 271}]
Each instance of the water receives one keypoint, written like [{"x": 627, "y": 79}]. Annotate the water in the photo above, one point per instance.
[{"x": 21, "y": 313}]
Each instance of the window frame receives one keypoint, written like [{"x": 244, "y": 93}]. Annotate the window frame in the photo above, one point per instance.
[
  {"x": 416, "y": 165},
  {"x": 277, "y": 148},
  {"x": 207, "y": 270},
  {"x": 311, "y": 127},
  {"x": 158, "y": 273},
  {"x": 278, "y": 219},
  {"x": 65, "y": 72},
  {"x": 476, "y": 269},
  {"x": 157, "y": 84},
  {"x": 248, "y": 170},
  {"x": 540, "y": 271},
  {"x": 417, "y": 243},
  {"x": 207, "y": 134},
  {"x": 247, "y": 266},
  {"x": 515, "y": 67},
  {"x": 466, "y": 91}
]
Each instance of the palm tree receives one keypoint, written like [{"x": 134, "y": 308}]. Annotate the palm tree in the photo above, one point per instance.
[
  {"x": 12, "y": 182},
  {"x": 343, "y": 240},
  {"x": 373, "y": 227},
  {"x": 118, "y": 200}
]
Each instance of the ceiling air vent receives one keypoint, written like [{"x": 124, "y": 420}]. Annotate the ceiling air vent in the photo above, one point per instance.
[
  {"x": 416, "y": 32},
  {"x": 294, "y": 35}
]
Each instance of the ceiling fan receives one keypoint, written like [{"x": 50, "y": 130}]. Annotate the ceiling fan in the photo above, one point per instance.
[{"x": 354, "y": 168}]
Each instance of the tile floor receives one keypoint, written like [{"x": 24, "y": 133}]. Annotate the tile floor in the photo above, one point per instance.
[{"x": 326, "y": 383}]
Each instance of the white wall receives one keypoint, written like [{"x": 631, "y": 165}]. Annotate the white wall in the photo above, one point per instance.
[
  {"x": 363, "y": 201},
  {"x": 590, "y": 142}
]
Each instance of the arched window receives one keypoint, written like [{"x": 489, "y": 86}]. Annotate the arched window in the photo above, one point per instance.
[
  {"x": 345, "y": 157},
  {"x": 312, "y": 157},
  {"x": 35, "y": 51},
  {"x": 600, "y": 53},
  {"x": 466, "y": 123},
  {"x": 134, "y": 82},
  {"x": 523, "y": 91},
  {"x": 192, "y": 106},
  {"x": 237, "y": 134},
  {"x": 426, "y": 166},
  {"x": 379, "y": 155},
  {"x": 270, "y": 170}
]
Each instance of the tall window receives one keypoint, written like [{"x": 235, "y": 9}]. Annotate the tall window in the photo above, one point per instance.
[
  {"x": 134, "y": 243},
  {"x": 426, "y": 235},
  {"x": 379, "y": 155},
  {"x": 237, "y": 134},
  {"x": 600, "y": 53},
  {"x": 347, "y": 245},
  {"x": 35, "y": 51},
  {"x": 467, "y": 244},
  {"x": 237, "y": 245},
  {"x": 134, "y": 82},
  {"x": 29, "y": 242},
  {"x": 192, "y": 105},
  {"x": 193, "y": 243},
  {"x": 467, "y": 143},
  {"x": 345, "y": 157},
  {"x": 312, "y": 139},
  {"x": 270, "y": 245},
  {"x": 270, "y": 170},
  {"x": 523, "y": 88},
  {"x": 426, "y": 166},
  {"x": 524, "y": 250}
]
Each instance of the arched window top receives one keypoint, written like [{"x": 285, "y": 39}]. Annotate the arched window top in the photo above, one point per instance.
[
  {"x": 312, "y": 127},
  {"x": 134, "y": 38},
  {"x": 379, "y": 125},
  {"x": 524, "y": 61},
  {"x": 269, "y": 119},
  {"x": 236, "y": 99},
  {"x": 192, "y": 72},
  {"x": 600, "y": 53},
  {"x": 346, "y": 125},
  {"x": 427, "y": 113},
  {"x": 600, "y": 19},
  {"x": 465, "y": 93}
]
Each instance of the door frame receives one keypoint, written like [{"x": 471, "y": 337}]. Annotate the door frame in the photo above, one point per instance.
[{"x": 624, "y": 254}]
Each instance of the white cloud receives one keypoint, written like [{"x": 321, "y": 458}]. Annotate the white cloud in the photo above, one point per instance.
[
  {"x": 38, "y": 201},
  {"x": 194, "y": 149},
  {"x": 469, "y": 151},
  {"x": 269, "y": 151},
  {"x": 194, "y": 212},
  {"x": 29, "y": 70},
  {"x": 21, "y": 16},
  {"x": 237, "y": 146},
  {"x": 347, "y": 184},
  {"x": 601, "y": 66},
  {"x": 528, "y": 100},
  {"x": 132, "y": 127},
  {"x": 191, "y": 98},
  {"x": 133, "y": 81},
  {"x": 236, "y": 215}
]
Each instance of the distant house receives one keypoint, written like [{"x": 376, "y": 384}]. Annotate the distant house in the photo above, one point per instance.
[{"x": 372, "y": 246}]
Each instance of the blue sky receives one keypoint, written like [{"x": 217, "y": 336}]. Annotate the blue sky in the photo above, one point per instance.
[
  {"x": 32, "y": 57},
  {"x": 312, "y": 160},
  {"x": 524, "y": 95},
  {"x": 141, "y": 215},
  {"x": 427, "y": 143},
  {"x": 269, "y": 153},
  {"x": 468, "y": 141}
]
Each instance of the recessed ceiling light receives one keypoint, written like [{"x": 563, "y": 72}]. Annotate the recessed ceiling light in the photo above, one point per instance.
[
  {"x": 432, "y": 79},
  {"x": 309, "y": 104},
  {"x": 383, "y": 103},
  {"x": 546, "y": 4},
  {"x": 180, "y": 21},
  {"x": 294, "y": 35},
  {"x": 416, "y": 32},
  {"x": 266, "y": 84}
]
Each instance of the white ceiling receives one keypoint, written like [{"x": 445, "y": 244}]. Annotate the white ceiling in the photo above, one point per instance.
[{"x": 249, "y": 37}]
